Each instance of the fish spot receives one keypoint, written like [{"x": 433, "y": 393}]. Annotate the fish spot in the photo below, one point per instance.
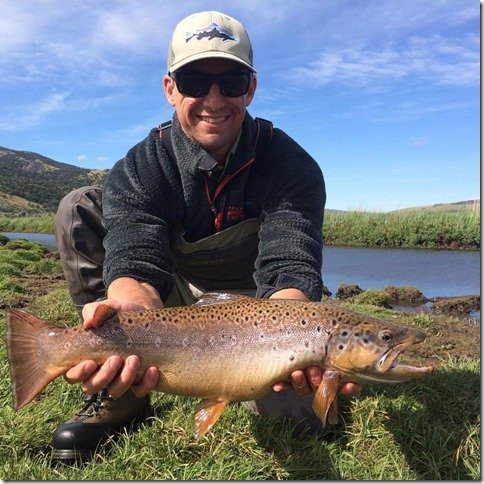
[
  {"x": 318, "y": 329},
  {"x": 357, "y": 334},
  {"x": 333, "y": 322},
  {"x": 147, "y": 325},
  {"x": 365, "y": 340},
  {"x": 304, "y": 322},
  {"x": 291, "y": 358},
  {"x": 261, "y": 336},
  {"x": 344, "y": 333},
  {"x": 185, "y": 342},
  {"x": 256, "y": 324},
  {"x": 129, "y": 321},
  {"x": 158, "y": 342},
  {"x": 157, "y": 315},
  {"x": 306, "y": 344},
  {"x": 129, "y": 344},
  {"x": 341, "y": 347},
  {"x": 163, "y": 318}
]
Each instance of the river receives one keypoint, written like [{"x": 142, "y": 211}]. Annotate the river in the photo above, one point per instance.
[{"x": 434, "y": 272}]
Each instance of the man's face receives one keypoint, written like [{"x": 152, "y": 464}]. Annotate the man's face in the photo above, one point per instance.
[{"x": 212, "y": 121}]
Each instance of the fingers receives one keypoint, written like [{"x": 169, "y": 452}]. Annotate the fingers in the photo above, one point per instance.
[
  {"x": 117, "y": 376},
  {"x": 105, "y": 375},
  {"x": 300, "y": 383},
  {"x": 351, "y": 389},
  {"x": 81, "y": 372},
  {"x": 307, "y": 382},
  {"x": 149, "y": 382}
]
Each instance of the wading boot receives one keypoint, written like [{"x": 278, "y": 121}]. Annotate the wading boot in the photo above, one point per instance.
[{"x": 92, "y": 427}]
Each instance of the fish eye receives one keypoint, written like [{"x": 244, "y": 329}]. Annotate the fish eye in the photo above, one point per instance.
[{"x": 386, "y": 336}]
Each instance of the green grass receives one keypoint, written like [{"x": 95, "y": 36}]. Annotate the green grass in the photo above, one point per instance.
[
  {"x": 19, "y": 257},
  {"x": 419, "y": 229},
  {"x": 40, "y": 224},
  {"x": 412, "y": 229}
]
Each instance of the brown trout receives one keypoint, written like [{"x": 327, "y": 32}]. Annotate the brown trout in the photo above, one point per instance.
[{"x": 224, "y": 349}]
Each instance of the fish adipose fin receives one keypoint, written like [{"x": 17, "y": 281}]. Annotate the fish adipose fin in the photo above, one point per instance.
[
  {"x": 324, "y": 403},
  {"x": 206, "y": 414},
  {"x": 30, "y": 371}
]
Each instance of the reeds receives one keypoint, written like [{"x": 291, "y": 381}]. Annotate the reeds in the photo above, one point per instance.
[{"x": 415, "y": 229}]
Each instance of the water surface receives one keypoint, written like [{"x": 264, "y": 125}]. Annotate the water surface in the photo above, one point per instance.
[{"x": 434, "y": 272}]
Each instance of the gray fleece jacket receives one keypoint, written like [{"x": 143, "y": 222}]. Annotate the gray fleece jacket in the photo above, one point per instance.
[{"x": 148, "y": 198}]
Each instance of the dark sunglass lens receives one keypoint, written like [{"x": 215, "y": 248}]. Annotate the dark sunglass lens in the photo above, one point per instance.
[
  {"x": 234, "y": 84},
  {"x": 193, "y": 85}
]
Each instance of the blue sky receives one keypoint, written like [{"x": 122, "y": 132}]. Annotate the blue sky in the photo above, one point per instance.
[{"x": 384, "y": 94}]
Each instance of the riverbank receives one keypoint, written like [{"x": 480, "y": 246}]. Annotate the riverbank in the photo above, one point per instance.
[
  {"x": 412, "y": 230},
  {"x": 426, "y": 429}
]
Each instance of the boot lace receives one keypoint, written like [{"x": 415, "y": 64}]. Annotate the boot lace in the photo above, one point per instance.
[{"x": 93, "y": 404}]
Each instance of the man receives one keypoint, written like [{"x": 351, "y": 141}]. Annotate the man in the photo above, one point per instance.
[{"x": 216, "y": 201}]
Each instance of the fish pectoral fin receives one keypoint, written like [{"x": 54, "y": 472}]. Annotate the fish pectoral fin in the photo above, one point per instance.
[
  {"x": 324, "y": 403},
  {"x": 333, "y": 412},
  {"x": 206, "y": 414}
]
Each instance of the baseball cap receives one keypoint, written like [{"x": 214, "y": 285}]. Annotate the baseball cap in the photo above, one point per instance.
[{"x": 207, "y": 35}]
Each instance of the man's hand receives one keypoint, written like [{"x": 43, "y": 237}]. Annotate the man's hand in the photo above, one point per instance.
[
  {"x": 307, "y": 382},
  {"x": 115, "y": 374}
]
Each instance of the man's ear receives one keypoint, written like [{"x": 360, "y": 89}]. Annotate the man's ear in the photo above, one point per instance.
[
  {"x": 169, "y": 88},
  {"x": 250, "y": 93}
]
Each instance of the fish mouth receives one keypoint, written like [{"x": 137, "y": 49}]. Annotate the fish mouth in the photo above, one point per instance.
[{"x": 391, "y": 371}]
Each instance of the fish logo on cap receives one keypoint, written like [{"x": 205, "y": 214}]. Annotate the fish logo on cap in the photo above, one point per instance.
[{"x": 213, "y": 31}]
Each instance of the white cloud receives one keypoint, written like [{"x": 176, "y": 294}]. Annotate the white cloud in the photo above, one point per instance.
[
  {"x": 102, "y": 158},
  {"x": 82, "y": 158},
  {"x": 35, "y": 113},
  {"x": 421, "y": 141},
  {"x": 435, "y": 59}
]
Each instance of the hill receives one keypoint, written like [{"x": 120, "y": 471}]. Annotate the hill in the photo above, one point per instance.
[
  {"x": 31, "y": 183},
  {"x": 444, "y": 207}
]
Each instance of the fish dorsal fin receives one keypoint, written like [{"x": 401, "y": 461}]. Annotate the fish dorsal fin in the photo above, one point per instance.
[
  {"x": 218, "y": 298},
  {"x": 102, "y": 313},
  {"x": 324, "y": 400},
  {"x": 206, "y": 414}
]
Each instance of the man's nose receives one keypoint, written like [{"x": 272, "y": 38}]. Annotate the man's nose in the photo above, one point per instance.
[{"x": 214, "y": 97}]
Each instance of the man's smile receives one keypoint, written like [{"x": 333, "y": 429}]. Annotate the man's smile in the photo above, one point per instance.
[{"x": 213, "y": 119}]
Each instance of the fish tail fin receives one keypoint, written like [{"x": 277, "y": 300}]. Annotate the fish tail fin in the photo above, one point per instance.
[
  {"x": 30, "y": 371},
  {"x": 206, "y": 414}
]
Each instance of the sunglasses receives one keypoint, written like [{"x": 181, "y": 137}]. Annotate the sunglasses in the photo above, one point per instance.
[{"x": 198, "y": 84}]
